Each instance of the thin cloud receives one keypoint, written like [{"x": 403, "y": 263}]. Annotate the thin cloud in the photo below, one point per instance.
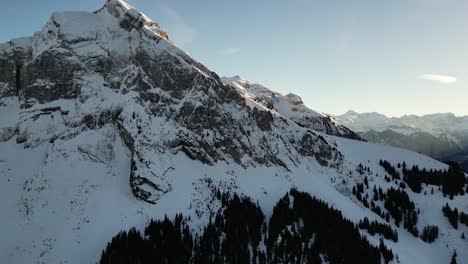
[
  {"x": 444, "y": 79},
  {"x": 181, "y": 32},
  {"x": 230, "y": 51}
]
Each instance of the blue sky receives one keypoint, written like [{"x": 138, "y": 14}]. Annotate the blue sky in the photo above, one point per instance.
[{"x": 395, "y": 57}]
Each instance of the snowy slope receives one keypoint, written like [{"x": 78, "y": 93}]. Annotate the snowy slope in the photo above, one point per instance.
[
  {"x": 75, "y": 204},
  {"x": 136, "y": 129}
]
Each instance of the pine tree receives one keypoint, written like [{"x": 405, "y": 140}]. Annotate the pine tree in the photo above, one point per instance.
[
  {"x": 234, "y": 233},
  {"x": 452, "y": 215},
  {"x": 430, "y": 234},
  {"x": 454, "y": 258}
]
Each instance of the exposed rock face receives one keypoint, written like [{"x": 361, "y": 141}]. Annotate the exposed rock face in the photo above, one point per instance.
[
  {"x": 51, "y": 76},
  {"x": 13, "y": 55},
  {"x": 311, "y": 145},
  {"x": 290, "y": 106},
  {"x": 7, "y": 133},
  {"x": 116, "y": 67}
]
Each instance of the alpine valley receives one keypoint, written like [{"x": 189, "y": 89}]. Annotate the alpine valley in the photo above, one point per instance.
[
  {"x": 441, "y": 136},
  {"x": 106, "y": 125}
]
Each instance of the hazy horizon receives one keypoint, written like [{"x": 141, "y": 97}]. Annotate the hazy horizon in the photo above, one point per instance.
[
  {"x": 396, "y": 58},
  {"x": 400, "y": 116}
]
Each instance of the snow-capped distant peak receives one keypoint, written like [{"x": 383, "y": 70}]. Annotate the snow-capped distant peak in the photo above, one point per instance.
[
  {"x": 434, "y": 124},
  {"x": 352, "y": 112}
]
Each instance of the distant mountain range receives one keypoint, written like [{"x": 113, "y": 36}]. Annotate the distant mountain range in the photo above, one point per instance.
[{"x": 442, "y": 136}]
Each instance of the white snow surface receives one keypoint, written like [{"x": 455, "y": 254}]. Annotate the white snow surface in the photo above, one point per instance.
[
  {"x": 65, "y": 205},
  {"x": 62, "y": 200}
]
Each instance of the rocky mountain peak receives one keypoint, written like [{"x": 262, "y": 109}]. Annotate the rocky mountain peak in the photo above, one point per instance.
[
  {"x": 294, "y": 99},
  {"x": 115, "y": 69},
  {"x": 110, "y": 25},
  {"x": 130, "y": 18}
]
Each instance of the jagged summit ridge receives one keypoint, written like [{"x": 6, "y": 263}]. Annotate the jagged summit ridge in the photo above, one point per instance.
[
  {"x": 130, "y": 17},
  {"x": 113, "y": 21},
  {"x": 289, "y": 106},
  {"x": 121, "y": 72}
]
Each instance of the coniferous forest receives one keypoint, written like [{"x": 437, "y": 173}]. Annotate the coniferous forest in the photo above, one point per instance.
[
  {"x": 452, "y": 180},
  {"x": 302, "y": 229},
  {"x": 454, "y": 216}
]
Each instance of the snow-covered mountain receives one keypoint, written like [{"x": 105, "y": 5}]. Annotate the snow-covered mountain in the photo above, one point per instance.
[
  {"x": 442, "y": 136},
  {"x": 290, "y": 106},
  {"x": 106, "y": 124}
]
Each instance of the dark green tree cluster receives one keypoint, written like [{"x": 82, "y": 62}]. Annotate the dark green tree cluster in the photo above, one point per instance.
[
  {"x": 299, "y": 219},
  {"x": 390, "y": 169},
  {"x": 396, "y": 202},
  {"x": 166, "y": 242},
  {"x": 173, "y": 240},
  {"x": 234, "y": 236},
  {"x": 430, "y": 234},
  {"x": 301, "y": 229},
  {"x": 386, "y": 253},
  {"x": 379, "y": 195},
  {"x": 402, "y": 209},
  {"x": 454, "y": 258},
  {"x": 363, "y": 169},
  {"x": 464, "y": 218},
  {"x": 452, "y": 180},
  {"x": 454, "y": 216},
  {"x": 358, "y": 191},
  {"x": 376, "y": 227},
  {"x": 126, "y": 247}
]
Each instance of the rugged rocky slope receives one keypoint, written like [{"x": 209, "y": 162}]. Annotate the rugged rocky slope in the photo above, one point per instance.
[
  {"x": 117, "y": 67},
  {"x": 106, "y": 124},
  {"x": 290, "y": 106}
]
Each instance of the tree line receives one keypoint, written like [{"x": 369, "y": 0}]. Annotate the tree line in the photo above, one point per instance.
[
  {"x": 301, "y": 229},
  {"x": 376, "y": 227},
  {"x": 454, "y": 216},
  {"x": 396, "y": 202},
  {"x": 452, "y": 181}
]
